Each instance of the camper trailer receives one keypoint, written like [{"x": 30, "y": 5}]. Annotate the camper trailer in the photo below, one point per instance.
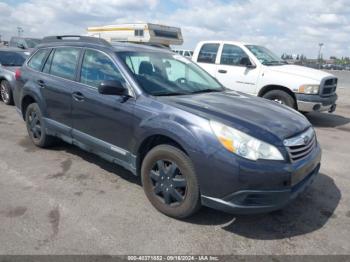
[{"x": 139, "y": 33}]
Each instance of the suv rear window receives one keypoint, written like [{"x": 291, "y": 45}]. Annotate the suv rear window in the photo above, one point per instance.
[
  {"x": 64, "y": 62},
  {"x": 36, "y": 62},
  {"x": 208, "y": 53}
]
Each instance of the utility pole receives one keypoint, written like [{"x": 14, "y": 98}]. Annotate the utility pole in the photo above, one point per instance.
[
  {"x": 319, "y": 55},
  {"x": 19, "y": 31}
]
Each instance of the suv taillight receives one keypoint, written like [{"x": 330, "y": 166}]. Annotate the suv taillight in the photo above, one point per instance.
[{"x": 17, "y": 74}]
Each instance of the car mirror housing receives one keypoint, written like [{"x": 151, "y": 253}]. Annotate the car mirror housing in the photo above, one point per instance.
[
  {"x": 245, "y": 61},
  {"x": 112, "y": 87}
]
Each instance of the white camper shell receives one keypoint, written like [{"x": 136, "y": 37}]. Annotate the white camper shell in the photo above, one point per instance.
[{"x": 139, "y": 33}]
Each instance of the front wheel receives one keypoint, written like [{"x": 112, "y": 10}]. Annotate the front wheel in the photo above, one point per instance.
[
  {"x": 6, "y": 93},
  {"x": 170, "y": 182},
  {"x": 281, "y": 97}
]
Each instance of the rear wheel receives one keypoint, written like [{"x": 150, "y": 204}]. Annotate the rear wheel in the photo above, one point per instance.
[
  {"x": 36, "y": 127},
  {"x": 281, "y": 97},
  {"x": 6, "y": 93},
  {"x": 170, "y": 182}
]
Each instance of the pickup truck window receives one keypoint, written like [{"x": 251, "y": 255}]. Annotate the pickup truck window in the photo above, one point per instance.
[
  {"x": 208, "y": 53},
  {"x": 265, "y": 56},
  {"x": 232, "y": 55}
]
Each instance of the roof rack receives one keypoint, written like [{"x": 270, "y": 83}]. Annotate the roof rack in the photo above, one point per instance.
[{"x": 75, "y": 38}]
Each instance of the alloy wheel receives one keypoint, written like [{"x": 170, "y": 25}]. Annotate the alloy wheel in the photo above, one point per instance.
[
  {"x": 5, "y": 95},
  {"x": 34, "y": 125},
  {"x": 169, "y": 185}
]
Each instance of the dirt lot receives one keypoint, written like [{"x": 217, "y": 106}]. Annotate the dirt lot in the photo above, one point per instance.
[{"x": 66, "y": 201}]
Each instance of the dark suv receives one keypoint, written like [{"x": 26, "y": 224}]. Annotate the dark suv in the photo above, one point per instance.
[{"x": 162, "y": 117}]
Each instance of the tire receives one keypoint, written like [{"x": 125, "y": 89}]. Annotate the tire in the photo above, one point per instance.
[
  {"x": 175, "y": 194},
  {"x": 36, "y": 127},
  {"x": 6, "y": 92},
  {"x": 281, "y": 97}
]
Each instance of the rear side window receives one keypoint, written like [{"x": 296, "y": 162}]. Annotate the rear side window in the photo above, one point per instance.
[
  {"x": 64, "y": 62},
  {"x": 232, "y": 55},
  {"x": 208, "y": 53},
  {"x": 98, "y": 67},
  {"x": 36, "y": 62}
]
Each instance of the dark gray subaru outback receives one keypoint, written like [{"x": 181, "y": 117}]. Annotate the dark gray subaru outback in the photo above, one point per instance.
[{"x": 160, "y": 116}]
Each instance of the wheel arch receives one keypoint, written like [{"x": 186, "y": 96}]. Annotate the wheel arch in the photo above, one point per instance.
[
  {"x": 152, "y": 141},
  {"x": 26, "y": 101},
  {"x": 268, "y": 88}
]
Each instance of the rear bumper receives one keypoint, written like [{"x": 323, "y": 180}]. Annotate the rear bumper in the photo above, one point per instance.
[
  {"x": 260, "y": 201},
  {"x": 311, "y": 103}
]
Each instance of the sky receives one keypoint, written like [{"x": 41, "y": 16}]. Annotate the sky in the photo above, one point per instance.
[{"x": 284, "y": 26}]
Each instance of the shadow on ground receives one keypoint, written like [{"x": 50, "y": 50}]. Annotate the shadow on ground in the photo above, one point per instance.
[
  {"x": 327, "y": 120},
  {"x": 306, "y": 214}
]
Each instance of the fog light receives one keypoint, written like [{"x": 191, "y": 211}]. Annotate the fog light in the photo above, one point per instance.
[{"x": 317, "y": 107}]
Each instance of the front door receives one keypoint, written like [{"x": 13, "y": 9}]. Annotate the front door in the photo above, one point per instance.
[
  {"x": 232, "y": 71},
  {"x": 104, "y": 122}
]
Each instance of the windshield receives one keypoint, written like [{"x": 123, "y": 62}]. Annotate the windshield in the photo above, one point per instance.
[
  {"x": 265, "y": 56},
  {"x": 8, "y": 58},
  {"x": 163, "y": 74},
  {"x": 32, "y": 42}
]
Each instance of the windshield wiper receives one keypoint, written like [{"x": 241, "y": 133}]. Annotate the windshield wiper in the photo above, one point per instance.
[
  {"x": 275, "y": 63},
  {"x": 171, "y": 94},
  {"x": 209, "y": 90}
]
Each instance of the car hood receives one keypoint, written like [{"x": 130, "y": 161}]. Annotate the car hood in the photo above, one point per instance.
[
  {"x": 300, "y": 71},
  {"x": 258, "y": 117}
]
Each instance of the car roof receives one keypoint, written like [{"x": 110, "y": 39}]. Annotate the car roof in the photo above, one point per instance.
[
  {"x": 12, "y": 49},
  {"x": 226, "y": 42},
  {"x": 114, "y": 47}
]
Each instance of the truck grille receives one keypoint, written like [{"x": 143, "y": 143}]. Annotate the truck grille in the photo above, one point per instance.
[
  {"x": 302, "y": 145},
  {"x": 329, "y": 86}
]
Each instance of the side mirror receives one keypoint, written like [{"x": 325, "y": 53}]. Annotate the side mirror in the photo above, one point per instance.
[
  {"x": 245, "y": 61},
  {"x": 112, "y": 87},
  {"x": 21, "y": 46}
]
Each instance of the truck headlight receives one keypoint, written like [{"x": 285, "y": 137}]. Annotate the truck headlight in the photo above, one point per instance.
[
  {"x": 244, "y": 145},
  {"x": 309, "y": 89}
]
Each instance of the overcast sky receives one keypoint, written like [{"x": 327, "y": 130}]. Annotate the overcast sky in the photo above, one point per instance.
[{"x": 291, "y": 26}]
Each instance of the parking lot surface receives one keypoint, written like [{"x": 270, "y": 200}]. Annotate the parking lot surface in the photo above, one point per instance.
[{"x": 66, "y": 201}]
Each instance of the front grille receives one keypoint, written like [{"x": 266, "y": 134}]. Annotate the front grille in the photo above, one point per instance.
[
  {"x": 301, "y": 146},
  {"x": 329, "y": 86}
]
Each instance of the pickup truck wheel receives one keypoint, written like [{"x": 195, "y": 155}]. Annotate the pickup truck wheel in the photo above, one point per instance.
[
  {"x": 170, "y": 182},
  {"x": 6, "y": 93},
  {"x": 36, "y": 127},
  {"x": 281, "y": 97}
]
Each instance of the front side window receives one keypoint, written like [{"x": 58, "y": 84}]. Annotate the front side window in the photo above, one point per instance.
[
  {"x": 64, "y": 62},
  {"x": 36, "y": 62},
  {"x": 165, "y": 74},
  {"x": 98, "y": 67},
  {"x": 208, "y": 53},
  {"x": 232, "y": 55}
]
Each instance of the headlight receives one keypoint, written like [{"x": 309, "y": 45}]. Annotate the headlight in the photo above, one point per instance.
[
  {"x": 244, "y": 145},
  {"x": 309, "y": 89}
]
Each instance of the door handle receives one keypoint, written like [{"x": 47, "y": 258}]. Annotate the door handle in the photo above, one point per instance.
[
  {"x": 222, "y": 71},
  {"x": 41, "y": 83},
  {"x": 77, "y": 96}
]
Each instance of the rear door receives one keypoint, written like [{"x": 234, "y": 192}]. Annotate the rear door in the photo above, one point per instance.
[
  {"x": 56, "y": 81},
  {"x": 102, "y": 121},
  {"x": 231, "y": 71},
  {"x": 207, "y": 57}
]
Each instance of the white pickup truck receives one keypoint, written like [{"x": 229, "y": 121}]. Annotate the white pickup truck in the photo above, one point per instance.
[{"x": 255, "y": 70}]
